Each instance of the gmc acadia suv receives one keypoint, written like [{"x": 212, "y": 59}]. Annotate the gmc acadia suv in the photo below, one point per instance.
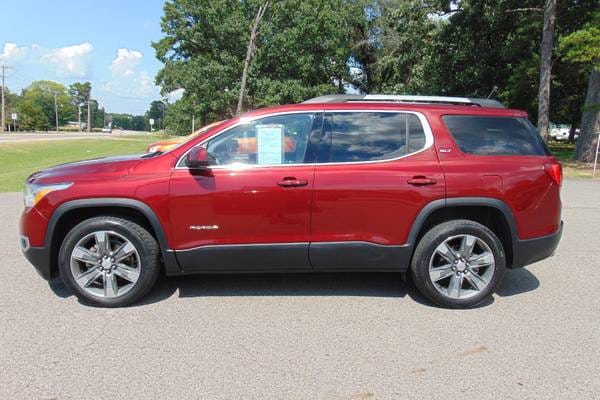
[{"x": 454, "y": 190}]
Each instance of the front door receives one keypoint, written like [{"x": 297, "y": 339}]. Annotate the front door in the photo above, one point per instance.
[
  {"x": 252, "y": 210},
  {"x": 376, "y": 171}
]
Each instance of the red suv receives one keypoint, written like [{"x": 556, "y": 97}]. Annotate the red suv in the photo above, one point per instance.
[{"x": 454, "y": 190}]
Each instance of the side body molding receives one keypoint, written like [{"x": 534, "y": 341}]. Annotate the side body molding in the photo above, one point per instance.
[{"x": 168, "y": 255}]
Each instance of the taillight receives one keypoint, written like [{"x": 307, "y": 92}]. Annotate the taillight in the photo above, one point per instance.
[{"x": 554, "y": 170}]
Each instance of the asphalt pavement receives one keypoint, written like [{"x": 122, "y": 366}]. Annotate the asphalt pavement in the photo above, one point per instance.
[{"x": 310, "y": 336}]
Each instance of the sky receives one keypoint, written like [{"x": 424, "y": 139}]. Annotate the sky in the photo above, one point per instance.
[{"x": 106, "y": 42}]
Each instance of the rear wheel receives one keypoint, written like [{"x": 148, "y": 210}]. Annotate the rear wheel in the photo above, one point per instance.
[
  {"x": 109, "y": 261},
  {"x": 458, "y": 264}
]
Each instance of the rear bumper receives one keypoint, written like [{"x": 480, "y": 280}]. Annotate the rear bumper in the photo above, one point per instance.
[{"x": 533, "y": 250}]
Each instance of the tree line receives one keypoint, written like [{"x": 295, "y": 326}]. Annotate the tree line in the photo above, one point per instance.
[
  {"x": 44, "y": 104},
  {"x": 257, "y": 53}
]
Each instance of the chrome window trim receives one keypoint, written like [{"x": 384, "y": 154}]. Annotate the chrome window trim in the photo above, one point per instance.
[{"x": 238, "y": 167}]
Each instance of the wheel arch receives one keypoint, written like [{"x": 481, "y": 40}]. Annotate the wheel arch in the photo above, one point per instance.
[
  {"x": 490, "y": 212},
  {"x": 69, "y": 214}
]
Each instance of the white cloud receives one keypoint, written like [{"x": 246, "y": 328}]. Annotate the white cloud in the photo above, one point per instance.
[
  {"x": 175, "y": 95},
  {"x": 69, "y": 61},
  {"x": 125, "y": 62},
  {"x": 138, "y": 86},
  {"x": 146, "y": 86},
  {"x": 12, "y": 52}
]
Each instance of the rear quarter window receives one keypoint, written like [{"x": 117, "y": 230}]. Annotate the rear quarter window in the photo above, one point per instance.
[{"x": 488, "y": 135}]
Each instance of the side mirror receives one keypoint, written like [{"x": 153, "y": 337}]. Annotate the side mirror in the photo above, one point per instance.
[{"x": 197, "y": 158}]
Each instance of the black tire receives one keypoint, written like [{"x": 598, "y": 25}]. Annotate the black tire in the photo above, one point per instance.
[
  {"x": 145, "y": 244},
  {"x": 435, "y": 237}
]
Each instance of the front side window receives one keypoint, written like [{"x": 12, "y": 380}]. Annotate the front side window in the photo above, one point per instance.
[
  {"x": 275, "y": 140},
  {"x": 488, "y": 135},
  {"x": 371, "y": 136}
]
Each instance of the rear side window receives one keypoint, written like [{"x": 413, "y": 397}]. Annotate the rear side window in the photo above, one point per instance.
[
  {"x": 371, "y": 136},
  {"x": 484, "y": 135}
]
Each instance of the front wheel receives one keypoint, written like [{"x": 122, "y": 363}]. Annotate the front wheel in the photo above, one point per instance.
[
  {"x": 108, "y": 261},
  {"x": 458, "y": 264}
]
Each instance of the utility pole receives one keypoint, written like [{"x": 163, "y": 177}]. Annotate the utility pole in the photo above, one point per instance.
[
  {"x": 79, "y": 115},
  {"x": 4, "y": 68},
  {"x": 56, "y": 111},
  {"x": 89, "y": 118}
]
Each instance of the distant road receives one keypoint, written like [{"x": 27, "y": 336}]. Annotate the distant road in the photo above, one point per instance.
[{"x": 37, "y": 136}]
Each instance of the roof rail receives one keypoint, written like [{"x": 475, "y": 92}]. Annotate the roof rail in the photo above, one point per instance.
[{"x": 347, "y": 98}]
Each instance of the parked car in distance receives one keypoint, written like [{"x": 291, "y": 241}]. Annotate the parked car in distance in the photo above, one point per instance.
[
  {"x": 166, "y": 145},
  {"x": 107, "y": 129},
  {"x": 561, "y": 133},
  {"x": 451, "y": 190}
]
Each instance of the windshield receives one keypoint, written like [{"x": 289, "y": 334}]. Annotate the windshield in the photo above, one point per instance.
[{"x": 184, "y": 139}]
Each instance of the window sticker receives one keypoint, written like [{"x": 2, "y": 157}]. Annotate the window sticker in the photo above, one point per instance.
[{"x": 270, "y": 144}]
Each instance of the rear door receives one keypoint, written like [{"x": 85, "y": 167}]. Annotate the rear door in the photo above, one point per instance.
[{"x": 375, "y": 172}]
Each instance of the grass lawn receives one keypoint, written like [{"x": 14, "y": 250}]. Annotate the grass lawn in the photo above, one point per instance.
[
  {"x": 19, "y": 160},
  {"x": 564, "y": 152}
]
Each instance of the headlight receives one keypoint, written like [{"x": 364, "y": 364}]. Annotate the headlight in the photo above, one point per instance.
[{"x": 33, "y": 193}]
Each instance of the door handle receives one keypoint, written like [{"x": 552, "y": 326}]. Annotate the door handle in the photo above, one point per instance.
[
  {"x": 421, "y": 181},
  {"x": 292, "y": 182}
]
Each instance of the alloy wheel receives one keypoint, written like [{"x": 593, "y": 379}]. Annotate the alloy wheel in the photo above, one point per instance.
[
  {"x": 462, "y": 266},
  {"x": 105, "y": 264}
]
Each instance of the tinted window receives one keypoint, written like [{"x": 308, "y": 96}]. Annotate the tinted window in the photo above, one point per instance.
[
  {"x": 280, "y": 139},
  {"x": 495, "y": 135},
  {"x": 372, "y": 136}
]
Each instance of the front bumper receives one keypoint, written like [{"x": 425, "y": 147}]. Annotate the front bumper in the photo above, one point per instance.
[
  {"x": 32, "y": 228},
  {"x": 39, "y": 257},
  {"x": 533, "y": 250}
]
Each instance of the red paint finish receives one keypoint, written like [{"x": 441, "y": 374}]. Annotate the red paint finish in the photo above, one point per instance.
[
  {"x": 247, "y": 205},
  {"x": 33, "y": 225},
  {"x": 372, "y": 202},
  {"x": 520, "y": 181}
]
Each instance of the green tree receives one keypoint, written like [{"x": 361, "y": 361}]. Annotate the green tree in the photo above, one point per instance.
[
  {"x": 302, "y": 51},
  {"x": 179, "y": 118},
  {"x": 393, "y": 43},
  {"x": 157, "y": 112},
  {"x": 31, "y": 116},
  {"x": 98, "y": 114},
  {"x": 80, "y": 93},
  {"x": 492, "y": 47},
  {"x": 11, "y": 106},
  {"x": 476, "y": 48},
  {"x": 37, "y": 105},
  {"x": 138, "y": 123},
  {"x": 583, "y": 46}
]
